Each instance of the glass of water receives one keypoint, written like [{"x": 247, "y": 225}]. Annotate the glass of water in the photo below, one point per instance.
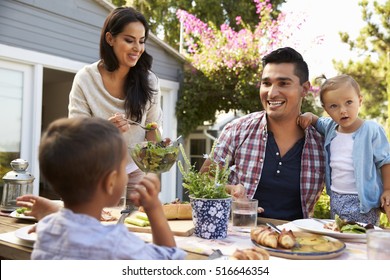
[
  {"x": 244, "y": 214},
  {"x": 378, "y": 244}
]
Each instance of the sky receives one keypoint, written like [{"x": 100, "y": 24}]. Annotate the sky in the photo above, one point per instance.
[{"x": 326, "y": 18}]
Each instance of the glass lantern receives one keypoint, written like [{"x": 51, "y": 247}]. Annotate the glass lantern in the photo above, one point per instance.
[{"x": 16, "y": 183}]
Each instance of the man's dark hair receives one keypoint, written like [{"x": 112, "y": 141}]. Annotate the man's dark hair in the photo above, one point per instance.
[{"x": 289, "y": 55}]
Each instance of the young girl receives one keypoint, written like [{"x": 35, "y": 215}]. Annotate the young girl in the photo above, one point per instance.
[
  {"x": 357, "y": 153},
  {"x": 84, "y": 160}
]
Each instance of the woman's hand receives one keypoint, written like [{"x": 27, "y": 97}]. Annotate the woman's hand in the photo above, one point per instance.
[
  {"x": 120, "y": 122},
  {"x": 38, "y": 206}
]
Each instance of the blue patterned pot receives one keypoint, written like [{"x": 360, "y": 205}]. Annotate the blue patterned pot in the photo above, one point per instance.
[{"x": 211, "y": 217}]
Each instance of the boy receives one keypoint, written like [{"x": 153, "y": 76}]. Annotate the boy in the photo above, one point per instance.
[{"x": 84, "y": 160}]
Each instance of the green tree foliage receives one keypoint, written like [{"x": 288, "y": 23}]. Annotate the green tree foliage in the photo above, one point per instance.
[
  {"x": 225, "y": 67},
  {"x": 119, "y": 3},
  {"x": 372, "y": 72},
  {"x": 161, "y": 14}
]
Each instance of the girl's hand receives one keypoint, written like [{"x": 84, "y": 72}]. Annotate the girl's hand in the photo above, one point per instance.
[
  {"x": 304, "y": 120},
  {"x": 385, "y": 203}
]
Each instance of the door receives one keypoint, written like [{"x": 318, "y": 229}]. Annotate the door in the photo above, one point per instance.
[{"x": 16, "y": 116}]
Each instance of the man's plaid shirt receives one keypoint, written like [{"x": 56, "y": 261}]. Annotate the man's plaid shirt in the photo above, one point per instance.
[{"x": 245, "y": 140}]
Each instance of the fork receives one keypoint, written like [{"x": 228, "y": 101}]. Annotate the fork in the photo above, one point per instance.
[
  {"x": 140, "y": 125},
  {"x": 130, "y": 208}
]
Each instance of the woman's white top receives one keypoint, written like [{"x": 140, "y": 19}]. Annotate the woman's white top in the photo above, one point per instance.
[{"x": 89, "y": 98}]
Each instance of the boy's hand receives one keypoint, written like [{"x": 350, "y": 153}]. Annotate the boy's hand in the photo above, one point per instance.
[
  {"x": 145, "y": 193},
  {"x": 39, "y": 206}
]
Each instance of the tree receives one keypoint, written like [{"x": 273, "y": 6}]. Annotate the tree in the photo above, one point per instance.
[
  {"x": 161, "y": 14},
  {"x": 225, "y": 65},
  {"x": 372, "y": 72}
]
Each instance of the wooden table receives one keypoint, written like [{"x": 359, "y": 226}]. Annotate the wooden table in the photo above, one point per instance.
[{"x": 10, "y": 251}]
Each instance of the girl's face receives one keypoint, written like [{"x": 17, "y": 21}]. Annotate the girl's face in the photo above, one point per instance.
[
  {"x": 128, "y": 45},
  {"x": 343, "y": 105}
]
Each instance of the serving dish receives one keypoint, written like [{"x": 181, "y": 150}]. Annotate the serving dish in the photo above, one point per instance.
[
  {"x": 17, "y": 215},
  {"x": 154, "y": 157},
  {"x": 22, "y": 233},
  {"x": 314, "y": 226},
  {"x": 311, "y": 247}
]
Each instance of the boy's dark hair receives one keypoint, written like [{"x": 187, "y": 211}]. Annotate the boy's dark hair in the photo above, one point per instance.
[
  {"x": 76, "y": 153},
  {"x": 137, "y": 86},
  {"x": 289, "y": 55}
]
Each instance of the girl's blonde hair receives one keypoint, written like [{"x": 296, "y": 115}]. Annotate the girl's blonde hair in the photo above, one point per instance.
[{"x": 337, "y": 82}]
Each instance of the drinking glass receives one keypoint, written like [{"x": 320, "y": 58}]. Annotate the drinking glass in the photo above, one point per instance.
[
  {"x": 378, "y": 244},
  {"x": 244, "y": 214}
]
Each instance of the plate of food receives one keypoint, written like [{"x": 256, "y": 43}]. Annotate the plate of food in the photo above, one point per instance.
[
  {"x": 22, "y": 233},
  {"x": 297, "y": 245},
  {"x": 337, "y": 228},
  {"x": 19, "y": 214}
]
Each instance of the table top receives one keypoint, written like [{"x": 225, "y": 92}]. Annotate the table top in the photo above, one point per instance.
[
  {"x": 11, "y": 249},
  {"x": 19, "y": 252}
]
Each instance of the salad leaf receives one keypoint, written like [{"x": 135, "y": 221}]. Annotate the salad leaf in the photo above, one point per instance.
[
  {"x": 21, "y": 210},
  {"x": 356, "y": 228}
]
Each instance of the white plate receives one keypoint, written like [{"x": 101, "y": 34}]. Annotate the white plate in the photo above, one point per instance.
[
  {"x": 317, "y": 227},
  {"x": 23, "y": 234},
  {"x": 15, "y": 214},
  {"x": 312, "y": 247}
]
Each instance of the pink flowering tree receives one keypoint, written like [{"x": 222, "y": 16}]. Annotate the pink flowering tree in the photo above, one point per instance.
[{"x": 224, "y": 66}]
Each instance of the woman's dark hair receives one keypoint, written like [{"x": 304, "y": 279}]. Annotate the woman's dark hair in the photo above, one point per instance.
[
  {"x": 289, "y": 55},
  {"x": 76, "y": 153},
  {"x": 137, "y": 86}
]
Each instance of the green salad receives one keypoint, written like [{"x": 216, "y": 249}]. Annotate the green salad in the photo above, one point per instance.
[
  {"x": 155, "y": 157},
  {"x": 346, "y": 226}
]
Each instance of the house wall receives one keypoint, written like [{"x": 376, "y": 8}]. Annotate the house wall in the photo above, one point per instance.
[
  {"x": 62, "y": 36},
  {"x": 69, "y": 29}
]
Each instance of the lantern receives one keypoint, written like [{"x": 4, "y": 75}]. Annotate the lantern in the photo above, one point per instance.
[{"x": 16, "y": 183}]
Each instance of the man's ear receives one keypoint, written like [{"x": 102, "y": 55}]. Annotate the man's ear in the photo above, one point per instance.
[
  {"x": 306, "y": 87},
  {"x": 109, "y": 182}
]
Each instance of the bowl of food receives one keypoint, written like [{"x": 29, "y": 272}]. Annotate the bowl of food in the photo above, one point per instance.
[{"x": 155, "y": 157}]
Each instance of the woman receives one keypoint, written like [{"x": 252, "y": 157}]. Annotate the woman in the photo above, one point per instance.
[{"x": 120, "y": 85}]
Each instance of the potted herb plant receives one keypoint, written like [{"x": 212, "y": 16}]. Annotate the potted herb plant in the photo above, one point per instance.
[{"x": 208, "y": 196}]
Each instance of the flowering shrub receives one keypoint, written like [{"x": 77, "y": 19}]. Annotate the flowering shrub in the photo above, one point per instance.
[{"x": 226, "y": 64}]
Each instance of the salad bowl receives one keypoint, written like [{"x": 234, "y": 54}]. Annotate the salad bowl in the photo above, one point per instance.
[{"x": 155, "y": 157}]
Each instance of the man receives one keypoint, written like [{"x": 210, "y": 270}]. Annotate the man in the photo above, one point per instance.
[{"x": 276, "y": 161}]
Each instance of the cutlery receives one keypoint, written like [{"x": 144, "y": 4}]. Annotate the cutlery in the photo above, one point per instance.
[
  {"x": 130, "y": 208},
  {"x": 296, "y": 245},
  {"x": 140, "y": 125},
  {"x": 274, "y": 227},
  {"x": 217, "y": 254},
  {"x": 320, "y": 221}
]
